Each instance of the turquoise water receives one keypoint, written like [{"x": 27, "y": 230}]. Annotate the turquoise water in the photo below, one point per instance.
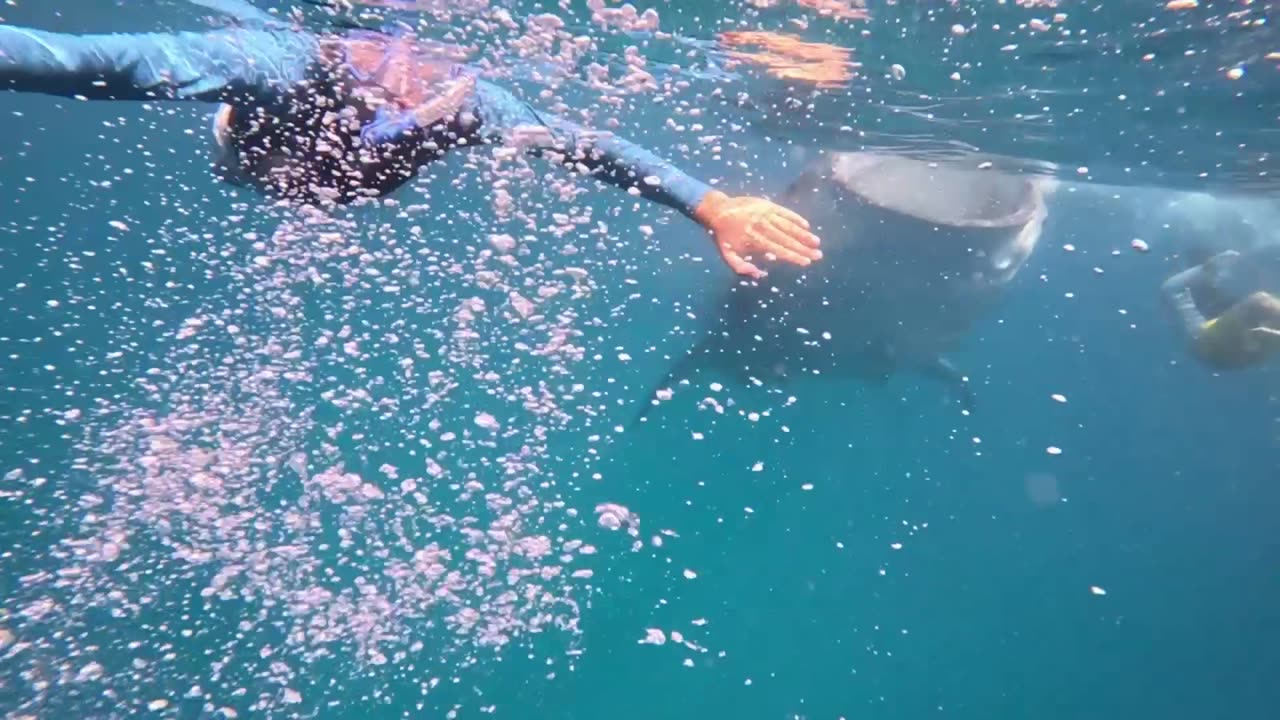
[{"x": 865, "y": 550}]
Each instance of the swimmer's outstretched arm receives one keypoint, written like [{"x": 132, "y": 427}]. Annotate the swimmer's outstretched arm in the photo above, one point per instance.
[
  {"x": 239, "y": 65},
  {"x": 1177, "y": 295},
  {"x": 744, "y": 227},
  {"x": 504, "y": 118}
]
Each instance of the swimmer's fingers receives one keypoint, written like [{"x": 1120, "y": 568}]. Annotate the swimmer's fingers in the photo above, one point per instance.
[
  {"x": 739, "y": 264},
  {"x": 796, "y": 237},
  {"x": 774, "y": 243},
  {"x": 788, "y": 235},
  {"x": 778, "y": 239},
  {"x": 1267, "y": 338},
  {"x": 795, "y": 230},
  {"x": 1225, "y": 256},
  {"x": 795, "y": 217}
]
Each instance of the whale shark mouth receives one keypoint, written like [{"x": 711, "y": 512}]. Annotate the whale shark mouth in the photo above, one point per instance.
[
  {"x": 984, "y": 223},
  {"x": 942, "y": 194}
]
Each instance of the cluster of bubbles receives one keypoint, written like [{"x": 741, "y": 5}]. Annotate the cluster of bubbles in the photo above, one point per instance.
[
  {"x": 244, "y": 519},
  {"x": 250, "y": 479}
]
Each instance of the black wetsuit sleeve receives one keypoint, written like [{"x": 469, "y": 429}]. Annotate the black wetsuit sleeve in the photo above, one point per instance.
[
  {"x": 226, "y": 66},
  {"x": 504, "y": 118}
]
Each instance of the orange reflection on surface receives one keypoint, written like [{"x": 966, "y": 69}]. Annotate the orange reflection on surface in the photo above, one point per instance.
[{"x": 790, "y": 58}]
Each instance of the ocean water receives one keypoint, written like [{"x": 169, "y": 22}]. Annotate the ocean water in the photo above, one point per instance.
[{"x": 382, "y": 461}]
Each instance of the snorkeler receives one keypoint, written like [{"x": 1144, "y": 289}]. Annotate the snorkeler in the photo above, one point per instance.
[
  {"x": 337, "y": 117},
  {"x": 1228, "y": 308}
]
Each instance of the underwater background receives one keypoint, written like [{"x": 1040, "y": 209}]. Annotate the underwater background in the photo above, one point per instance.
[{"x": 861, "y": 551}]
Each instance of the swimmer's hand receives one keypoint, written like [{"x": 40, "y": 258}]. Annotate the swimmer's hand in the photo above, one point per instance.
[
  {"x": 751, "y": 228},
  {"x": 1220, "y": 262},
  {"x": 1244, "y": 335},
  {"x": 1266, "y": 339}
]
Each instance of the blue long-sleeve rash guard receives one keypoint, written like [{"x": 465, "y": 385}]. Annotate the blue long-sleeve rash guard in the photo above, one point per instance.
[{"x": 285, "y": 86}]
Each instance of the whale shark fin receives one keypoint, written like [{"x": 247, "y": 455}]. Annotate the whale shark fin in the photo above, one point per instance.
[
  {"x": 957, "y": 383},
  {"x": 688, "y": 364}
]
